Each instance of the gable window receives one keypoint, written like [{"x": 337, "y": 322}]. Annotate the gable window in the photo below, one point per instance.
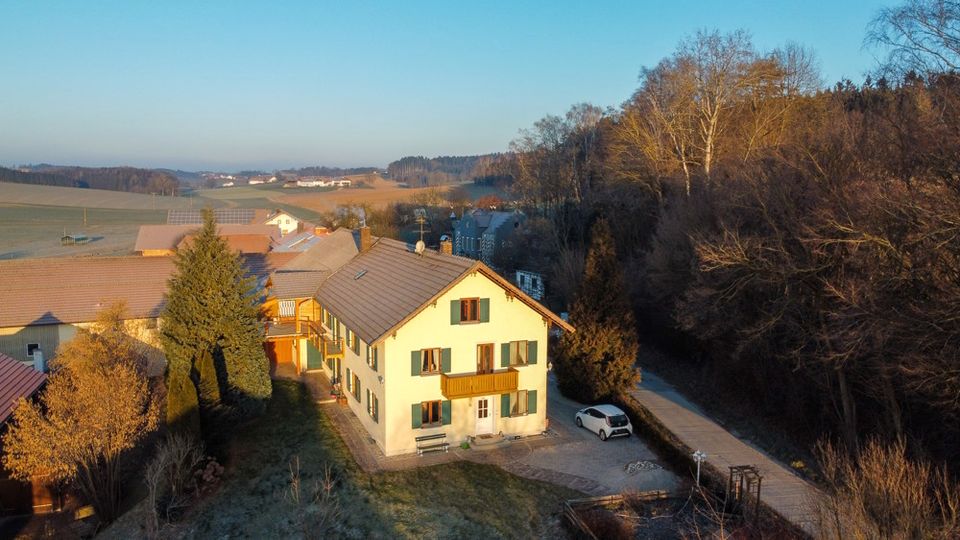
[
  {"x": 430, "y": 361},
  {"x": 287, "y": 308},
  {"x": 430, "y": 413},
  {"x": 518, "y": 353},
  {"x": 469, "y": 310}
]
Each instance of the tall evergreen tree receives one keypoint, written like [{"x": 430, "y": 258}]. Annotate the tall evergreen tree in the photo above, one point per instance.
[
  {"x": 597, "y": 361},
  {"x": 212, "y": 314}
]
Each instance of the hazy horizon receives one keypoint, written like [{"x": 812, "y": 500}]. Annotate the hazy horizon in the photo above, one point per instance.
[{"x": 220, "y": 86}]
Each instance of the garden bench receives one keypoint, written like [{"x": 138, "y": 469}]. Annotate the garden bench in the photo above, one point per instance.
[{"x": 432, "y": 443}]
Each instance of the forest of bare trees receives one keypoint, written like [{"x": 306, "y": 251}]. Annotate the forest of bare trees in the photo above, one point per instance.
[{"x": 797, "y": 243}]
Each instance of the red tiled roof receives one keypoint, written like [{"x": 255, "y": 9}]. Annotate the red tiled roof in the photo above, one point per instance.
[{"x": 17, "y": 380}]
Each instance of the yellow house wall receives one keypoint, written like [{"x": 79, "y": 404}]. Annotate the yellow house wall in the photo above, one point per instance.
[
  {"x": 510, "y": 320},
  {"x": 14, "y": 340},
  {"x": 369, "y": 379}
]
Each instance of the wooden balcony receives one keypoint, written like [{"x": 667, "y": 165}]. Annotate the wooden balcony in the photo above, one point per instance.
[{"x": 473, "y": 384}]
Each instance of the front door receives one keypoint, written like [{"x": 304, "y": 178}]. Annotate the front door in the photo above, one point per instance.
[
  {"x": 485, "y": 358},
  {"x": 484, "y": 416}
]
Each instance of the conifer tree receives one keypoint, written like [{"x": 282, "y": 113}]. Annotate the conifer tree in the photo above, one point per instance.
[
  {"x": 212, "y": 313},
  {"x": 597, "y": 361}
]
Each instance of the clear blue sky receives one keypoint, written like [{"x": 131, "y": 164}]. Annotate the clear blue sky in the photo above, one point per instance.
[{"x": 232, "y": 85}]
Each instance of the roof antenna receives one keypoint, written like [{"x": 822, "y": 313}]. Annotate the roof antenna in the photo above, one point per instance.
[{"x": 421, "y": 218}]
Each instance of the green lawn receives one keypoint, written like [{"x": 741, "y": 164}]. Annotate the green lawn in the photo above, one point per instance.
[{"x": 457, "y": 500}]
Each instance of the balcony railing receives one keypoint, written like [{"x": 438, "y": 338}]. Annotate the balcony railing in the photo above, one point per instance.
[
  {"x": 478, "y": 384},
  {"x": 332, "y": 348}
]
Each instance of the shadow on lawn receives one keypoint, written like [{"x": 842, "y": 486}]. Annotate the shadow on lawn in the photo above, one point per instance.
[{"x": 452, "y": 500}]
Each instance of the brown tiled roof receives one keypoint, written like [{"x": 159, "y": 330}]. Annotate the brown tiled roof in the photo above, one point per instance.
[
  {"x": 378, "y": 291},
  {"x": 296, "y": 283},
  {"x": 17, "y": 380},
  {"x": 244, "y": 238},
  {"x": 161, "y": 236},
  {"x": 74, "y": 289},
  {"x": 384, "y": 286}
]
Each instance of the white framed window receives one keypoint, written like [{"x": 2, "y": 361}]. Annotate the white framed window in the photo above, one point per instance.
[{"x": 288, "y": 308}]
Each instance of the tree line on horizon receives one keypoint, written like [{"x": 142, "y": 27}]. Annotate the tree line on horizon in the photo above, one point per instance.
[{"x": 129, "y": 179}]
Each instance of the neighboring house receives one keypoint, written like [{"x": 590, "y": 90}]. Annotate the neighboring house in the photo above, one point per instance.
[
  {"x": 481, "y": 233},
  {"x": 286, "y": 221},
  {"x": 531, "y": 283},
  {"x": 45, "y": 301},
  {"x": 164, "y": 240},
  {"x": 434, "y": 343},
  {"x": 18, "y": 380},
  {"x": 310, "y": 181},
  {"x": 293, "y": 333}
]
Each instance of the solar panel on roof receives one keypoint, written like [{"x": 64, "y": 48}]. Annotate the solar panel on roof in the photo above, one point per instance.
[{"x": 224, "y": 216}]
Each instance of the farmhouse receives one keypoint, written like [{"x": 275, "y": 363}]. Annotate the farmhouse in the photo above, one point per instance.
[{"x": 423, "y": 344}]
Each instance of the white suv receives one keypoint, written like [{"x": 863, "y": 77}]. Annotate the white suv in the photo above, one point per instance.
[{"x": 604, "y": 420}]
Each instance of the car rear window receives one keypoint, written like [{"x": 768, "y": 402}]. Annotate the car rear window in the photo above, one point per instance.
[{"x": 619, "y": 420}]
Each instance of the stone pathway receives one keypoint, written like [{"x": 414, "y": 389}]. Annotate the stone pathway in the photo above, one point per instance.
[{"x": 781, "y": 490}]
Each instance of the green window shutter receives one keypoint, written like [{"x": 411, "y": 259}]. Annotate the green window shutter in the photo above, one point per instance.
[
  {"x": 504, "y": 354},
  {"x": 368, "y": 400},
  {"x": 445, "y": 361},
  {"x": 376, "y": 358},
  {"x": 356, "y": 391},
  {"x": 376, "y": 411},
  {"x": 454, "y": 312},
  {"x": 445, "y": 412},
  {"x": 504, "y": 405},
  {"x": 531, "y": 402},
  {"x": 415, "y": 415},
  {"x": 415, "y": 363},
  {"x": 484, "y": 310},
  {"x": 531, "y": 352}
]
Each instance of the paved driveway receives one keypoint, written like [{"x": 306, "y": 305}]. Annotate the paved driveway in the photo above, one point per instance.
[{"x": 585, "y": 455}]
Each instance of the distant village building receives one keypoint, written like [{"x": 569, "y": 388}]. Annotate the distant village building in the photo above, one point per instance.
[
  {"x": 286, "y": 221},
  {"x": 531, "y": 283},
  {"x": 481, "y": 233}
]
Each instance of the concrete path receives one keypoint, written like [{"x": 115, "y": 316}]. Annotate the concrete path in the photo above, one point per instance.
[{"x": 781, "y": 490}]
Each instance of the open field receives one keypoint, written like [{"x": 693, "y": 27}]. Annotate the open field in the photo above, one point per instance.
[
  {"x": 35, "y": 230},
  {"x": 92, "y": 198},
  {"x": 32, "y": 218},
  {"x": 456, "y": 500}
]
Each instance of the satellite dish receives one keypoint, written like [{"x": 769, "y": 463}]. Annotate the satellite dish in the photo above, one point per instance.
[{"x": 420, "y": 247}]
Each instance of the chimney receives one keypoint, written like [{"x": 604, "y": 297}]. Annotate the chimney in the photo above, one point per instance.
[
  {"x": 446, "y": 247},
  {"x": 366, "y": 240}
]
